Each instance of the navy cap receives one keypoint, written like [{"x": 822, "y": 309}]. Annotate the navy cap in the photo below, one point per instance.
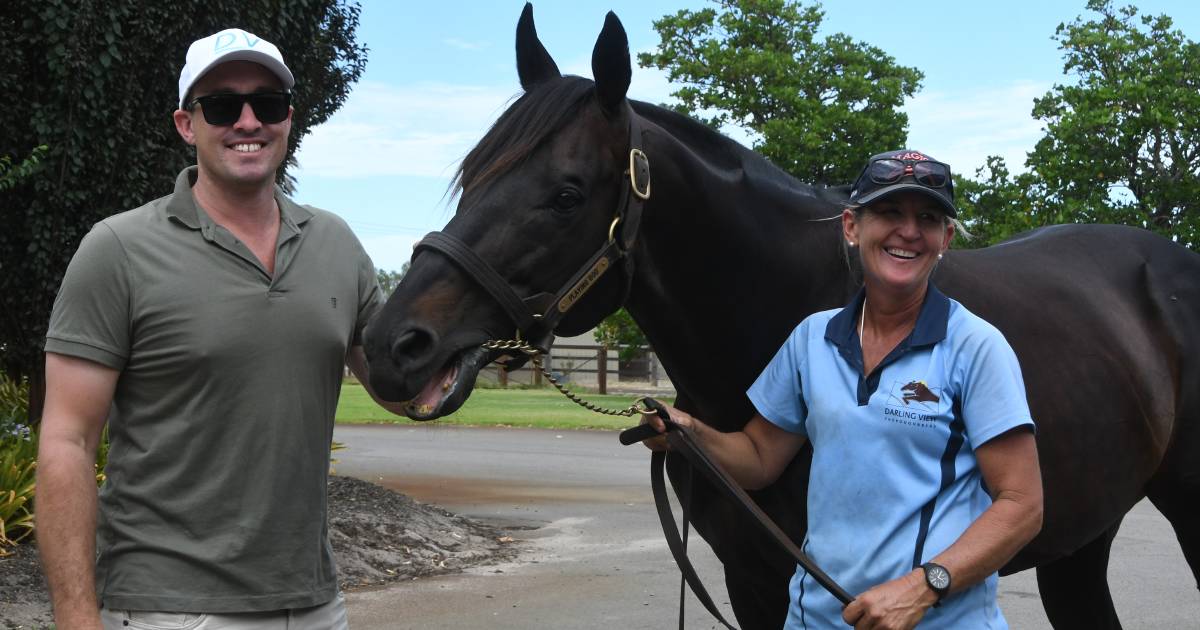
[{"x": 868, "y": 188}]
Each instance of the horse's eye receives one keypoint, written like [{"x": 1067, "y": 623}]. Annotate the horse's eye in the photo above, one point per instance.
[{"x": 567, "y": 199}]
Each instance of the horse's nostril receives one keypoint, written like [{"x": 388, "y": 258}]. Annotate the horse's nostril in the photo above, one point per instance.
[{"x": 411, "y": 344}]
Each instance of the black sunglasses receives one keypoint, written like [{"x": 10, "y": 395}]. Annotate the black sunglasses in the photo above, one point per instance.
[
  {"x": 926, "y": 172},
  {"x": 224, "y": 109}
]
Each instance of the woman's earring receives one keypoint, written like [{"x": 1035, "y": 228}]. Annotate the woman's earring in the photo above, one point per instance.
[
  {"x": 851, "y": 243},
  {"x": 939, "y": 256}
]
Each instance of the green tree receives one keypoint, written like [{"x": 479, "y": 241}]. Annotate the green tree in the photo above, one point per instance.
[
  {"x": 1122, "y": 141},
  {"x": 96, "y": 81},
  {"x": 389, "y": 280},
  {"x": 619, "y": 332},
  {"x": 998, "y": 204},
  {"x": 818, "y": 106}
]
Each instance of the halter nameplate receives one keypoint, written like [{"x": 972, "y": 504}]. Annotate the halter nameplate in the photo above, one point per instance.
[{"x": 583, "y": 285}]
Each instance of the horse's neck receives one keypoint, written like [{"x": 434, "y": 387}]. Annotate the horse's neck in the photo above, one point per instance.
[{"x": 732, "y": 255}]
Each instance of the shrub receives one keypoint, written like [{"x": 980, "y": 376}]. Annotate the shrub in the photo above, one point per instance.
[
  {"x": 18, "y": 463},
  {"x": 18, "y": 458},
  {"x": 14, "y": 403}
]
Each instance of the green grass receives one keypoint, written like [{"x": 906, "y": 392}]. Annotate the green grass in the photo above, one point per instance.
[{"x": 538, "y": 408}]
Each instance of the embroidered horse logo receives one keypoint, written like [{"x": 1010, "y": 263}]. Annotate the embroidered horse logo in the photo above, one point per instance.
[{"x": 918, "y": 391}]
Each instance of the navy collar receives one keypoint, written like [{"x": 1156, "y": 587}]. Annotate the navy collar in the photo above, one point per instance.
[{"x": 842, "y": 329}]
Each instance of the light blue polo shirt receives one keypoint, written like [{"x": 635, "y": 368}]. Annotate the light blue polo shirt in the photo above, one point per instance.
[{"x": 894, "y": 478}]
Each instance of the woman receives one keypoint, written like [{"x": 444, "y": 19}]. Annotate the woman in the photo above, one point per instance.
[{"x": 924, "y": 478}]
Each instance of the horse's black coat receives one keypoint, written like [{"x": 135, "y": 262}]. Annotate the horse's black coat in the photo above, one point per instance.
[{"x": 732, "y": 253}]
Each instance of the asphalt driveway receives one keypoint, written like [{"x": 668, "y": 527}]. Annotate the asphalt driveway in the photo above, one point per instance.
[{"x": 594, "y": 554}]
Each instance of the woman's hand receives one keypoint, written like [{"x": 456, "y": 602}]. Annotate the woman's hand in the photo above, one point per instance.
[
  {"x": 754, "y": 456},
  {"x": 680, "y": 418},
  {"x": 895, "y": 605}
]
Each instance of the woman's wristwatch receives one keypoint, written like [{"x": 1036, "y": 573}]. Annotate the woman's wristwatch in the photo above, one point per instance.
[{"x": 938, "y": 579}]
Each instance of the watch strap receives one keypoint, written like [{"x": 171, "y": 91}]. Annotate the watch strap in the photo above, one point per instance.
[{"x": 929, "y": 568}]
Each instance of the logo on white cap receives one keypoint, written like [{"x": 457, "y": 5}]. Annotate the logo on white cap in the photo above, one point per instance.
[
  {"x": 227, "y": 40},
  {"x": 231, "y": 44}
]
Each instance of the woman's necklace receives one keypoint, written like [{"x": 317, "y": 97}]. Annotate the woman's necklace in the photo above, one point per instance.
[{"x": 862, "y": 318}]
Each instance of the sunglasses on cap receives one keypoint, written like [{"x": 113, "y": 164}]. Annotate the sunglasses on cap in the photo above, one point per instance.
[
  {"x": 225, "y": 109},
  {"x": 891, "y": 170}
]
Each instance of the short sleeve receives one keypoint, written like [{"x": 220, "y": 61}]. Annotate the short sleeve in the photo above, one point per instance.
[
  {"x": 370, "y": 298},
  {"x": 91, "y": 315},
  {"x": 777, "y": 393},
  {"x": 993, "y": 390}
]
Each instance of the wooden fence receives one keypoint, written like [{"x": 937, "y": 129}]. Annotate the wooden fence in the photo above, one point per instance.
[{"x": 589, "y": 366}]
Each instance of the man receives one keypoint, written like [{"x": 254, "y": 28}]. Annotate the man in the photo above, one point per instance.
[{"x": 214, "y": 324}]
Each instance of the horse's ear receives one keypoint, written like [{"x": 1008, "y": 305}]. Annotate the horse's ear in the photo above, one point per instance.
[
  {"x": 534, "y": 64},
  {"x": 610, "y": 63}
]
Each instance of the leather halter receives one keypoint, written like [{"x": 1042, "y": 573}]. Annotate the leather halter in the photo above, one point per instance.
[{"x": 536, "y": 316}]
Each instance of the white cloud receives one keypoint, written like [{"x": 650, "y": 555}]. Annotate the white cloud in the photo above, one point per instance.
[
  {"x": 465, "y": 45},
  {"x": 964, "y": 128},
  {"x": 426, "y": 129},
  {"x": 418, "y": 129}
]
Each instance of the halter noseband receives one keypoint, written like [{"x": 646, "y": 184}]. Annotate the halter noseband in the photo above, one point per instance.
[{"x": 536, "y": 316}]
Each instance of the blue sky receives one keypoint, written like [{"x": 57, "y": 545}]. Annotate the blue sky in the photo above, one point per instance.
[{"x": 439, "y": 73}]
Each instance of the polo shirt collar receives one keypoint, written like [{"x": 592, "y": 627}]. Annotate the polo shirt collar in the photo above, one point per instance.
[
  {"x": 183, "y": 207},
  {"x": 842, "y": 329}
]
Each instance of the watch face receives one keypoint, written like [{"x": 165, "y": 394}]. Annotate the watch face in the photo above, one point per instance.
[{"x": 938, "y": 577}]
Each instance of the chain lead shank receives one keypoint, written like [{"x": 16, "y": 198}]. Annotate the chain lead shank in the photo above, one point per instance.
[{"x": 535, "y": 356}]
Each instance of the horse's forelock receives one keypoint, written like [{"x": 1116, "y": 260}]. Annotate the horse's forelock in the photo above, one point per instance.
[{"x": 524, "y": 126}]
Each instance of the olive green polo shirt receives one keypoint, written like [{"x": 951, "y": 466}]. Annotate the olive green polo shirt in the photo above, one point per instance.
[{"x": 222, "y": 418}]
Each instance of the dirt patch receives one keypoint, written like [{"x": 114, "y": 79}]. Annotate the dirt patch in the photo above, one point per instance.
[
  {"x": 379, "y": 536},
  {"x": 23, "y": 599}
]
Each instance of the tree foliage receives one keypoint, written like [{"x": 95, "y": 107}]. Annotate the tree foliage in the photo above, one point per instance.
[
  {"x": 96, "y": 81},
  {"x": 619, "y": 332},
  {"x": 1122, "y": 142},
  {"x": 389, "y": 280},
  {"x": 998, "y": 204},
  {"x": 11, "y": 175},
  {"x": 819, "y": 106}
]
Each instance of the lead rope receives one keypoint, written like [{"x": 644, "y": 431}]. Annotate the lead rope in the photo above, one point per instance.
[
  {"x": 635, "y": 408},
  {"x": 535, "y": 357},
  {"x": 677, "y": 543},
  {"x": 687, "y": 513}
]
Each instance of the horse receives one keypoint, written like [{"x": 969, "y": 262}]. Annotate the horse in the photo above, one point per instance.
[{"x": 717, "y": 255}]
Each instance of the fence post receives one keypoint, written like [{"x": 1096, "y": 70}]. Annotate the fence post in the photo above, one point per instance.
[
  {"x": 537, "y": 374},
  {"x": 602, "y": 369},
  {"x": 503, "y": 376},
  {"x": 653, "y": 369}
]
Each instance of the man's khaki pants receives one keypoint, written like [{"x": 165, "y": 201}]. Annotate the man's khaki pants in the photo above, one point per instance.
[{"x": 331, "y": 616}]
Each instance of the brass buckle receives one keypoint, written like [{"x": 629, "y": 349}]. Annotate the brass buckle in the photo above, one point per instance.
[{"x": 639, "y": 164}]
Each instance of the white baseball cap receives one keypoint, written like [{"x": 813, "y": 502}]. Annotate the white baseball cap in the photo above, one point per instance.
[{"x": 231, "y": 44}]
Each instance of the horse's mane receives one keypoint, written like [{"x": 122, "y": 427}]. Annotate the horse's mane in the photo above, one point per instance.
[
  {"x": 536, "y": 115},
  {"x": 716, "y": 147},
  {"x": 725, "y": 154}
]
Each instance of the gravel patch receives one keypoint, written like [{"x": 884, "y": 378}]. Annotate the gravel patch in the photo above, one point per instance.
[{"x": 379, "y": 537}]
